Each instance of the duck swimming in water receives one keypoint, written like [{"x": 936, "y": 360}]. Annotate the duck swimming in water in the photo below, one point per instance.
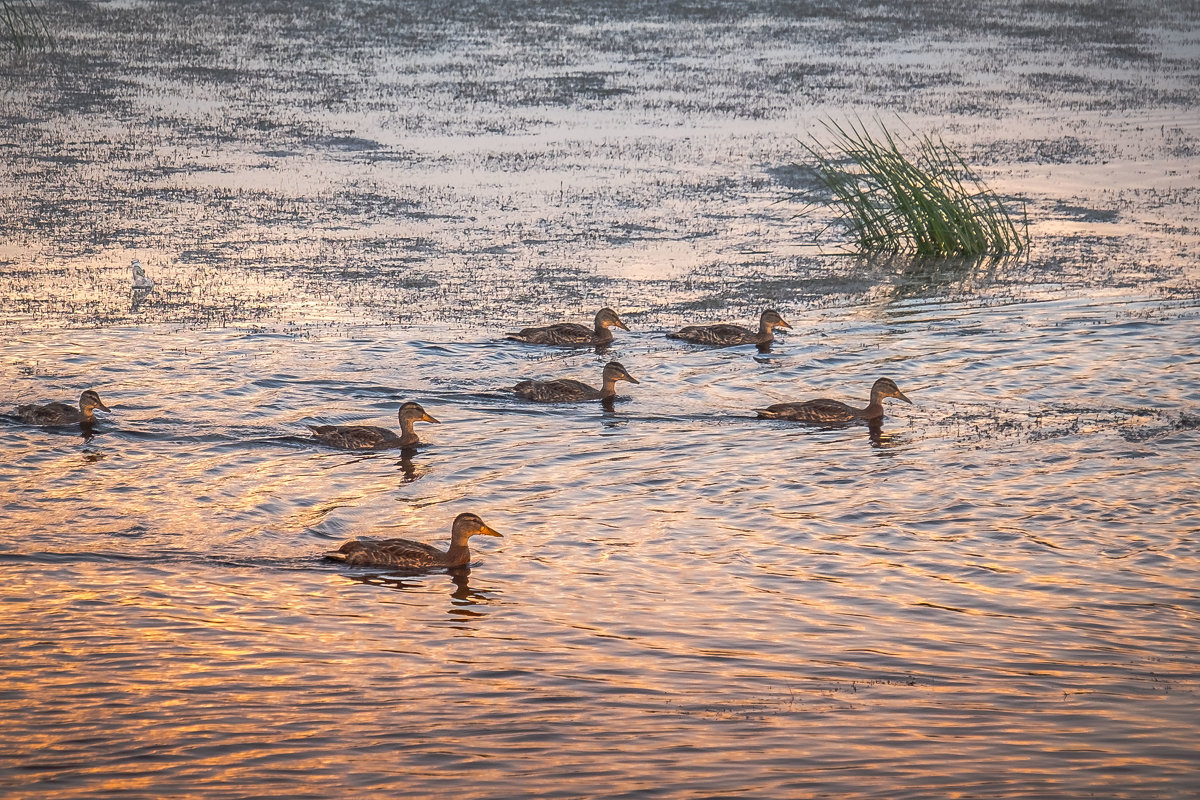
[
  {"x": 63, "y": 414},
  {"x": 370, "y": 437},
  {"x": 833, "y": 410},
  {"x": 726, "y": 335},
  {"x": 565, "y": 390},
  {"x": 571, "y": 334},
  {"x": 406, "y": 554}
]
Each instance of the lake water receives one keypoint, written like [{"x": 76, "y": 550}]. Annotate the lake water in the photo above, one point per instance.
[{"x": 346, "y": 206}]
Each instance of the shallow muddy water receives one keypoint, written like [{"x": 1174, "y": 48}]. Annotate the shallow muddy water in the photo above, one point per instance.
[{"x": 346, "y": 206}]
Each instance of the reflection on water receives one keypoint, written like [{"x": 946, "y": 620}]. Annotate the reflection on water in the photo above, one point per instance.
[
  {"x": 879, "y": 438},
  {"x": 137, "y": 297},
  {"x": 407, "y": 467},
  {"x": 467, "y": 603},
  {"x": 923, "y": 277},
  {"x": 462, "y": 594},
  {"x": 1015, "y": 576}
]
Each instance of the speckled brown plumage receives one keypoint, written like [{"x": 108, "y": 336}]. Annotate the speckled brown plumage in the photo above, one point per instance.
[
  {"x": 727, "y": 335},
  {"x": 61, "y": 413},
  {"x": 406, "y": 554},
  {"x": 567, "y": 390},
  {"x": 570, "y": 334},
  {"x": 371, "y": 437},
  {"x": 832, "y": 411}
]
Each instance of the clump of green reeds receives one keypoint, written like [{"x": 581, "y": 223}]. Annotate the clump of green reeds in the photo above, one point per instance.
[
  {"x": 22, "y": 26},
  {"x": 925, "y": 199}
]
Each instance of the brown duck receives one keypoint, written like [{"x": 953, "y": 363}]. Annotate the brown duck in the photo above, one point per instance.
[
  {"x": 571, "y": 334},
  {"x": 726, "y": 335},
  {"x": 827, "y": 411},
  {"x": 61, "y": 413},
  {"x": 371, "y": 437},
  {"x": 566, "y": 390},
  {"x": 406, "y": 554}
]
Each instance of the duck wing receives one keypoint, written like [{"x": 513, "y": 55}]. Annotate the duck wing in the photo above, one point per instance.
[
  {"x": 396, "y": 553},
  {"x": 821, "y": 410},
  {"x": 722, "y": 335},
  {"x": 562, "y": 333},
  {"x": 49, "y": 414},
  {"x": 563, "y": 390},
  {"x": 355, "y": 437}
]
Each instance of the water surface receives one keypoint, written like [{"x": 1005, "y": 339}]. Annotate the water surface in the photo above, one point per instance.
[{"x": 347, "y": 206}]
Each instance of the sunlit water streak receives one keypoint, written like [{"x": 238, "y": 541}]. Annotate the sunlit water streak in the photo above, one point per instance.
[{"x": 1006, "y": 576}]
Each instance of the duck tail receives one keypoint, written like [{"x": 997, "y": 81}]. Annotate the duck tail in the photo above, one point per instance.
[{"x": 765, "y": 414}]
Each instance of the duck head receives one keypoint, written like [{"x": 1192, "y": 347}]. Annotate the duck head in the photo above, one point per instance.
[
  {"x": 467, "y": 525},
  {"x": 89, "y": 400},
  {"x": 412, "y": 412},
  {"x": 886, "y": 387},
  {"x": 607, "y": 318},
  {"x": 771, "y": 319},
  {"x": 614, "y": 371}
]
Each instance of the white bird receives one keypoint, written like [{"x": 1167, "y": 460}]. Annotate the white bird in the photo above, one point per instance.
[{"x": 140, "y": 279}]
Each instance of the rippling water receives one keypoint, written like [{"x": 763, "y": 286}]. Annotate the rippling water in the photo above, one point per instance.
[
  {"x": 346, "y": 206},
  {"x": 685, "y": 598}
]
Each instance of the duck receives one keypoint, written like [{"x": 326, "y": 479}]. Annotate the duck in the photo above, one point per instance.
[
  {"x": 370, "y": 437},
  {"x": 571, "y": 334},
  {"x": 63, "y": 414},
  {"x": 405, "y": 554},
  {"x": 566, "y": 390},
  {"x": 726, "y": 335},
  {"x": 833, "y": 411},
  {"x": 141, "y": 281}
]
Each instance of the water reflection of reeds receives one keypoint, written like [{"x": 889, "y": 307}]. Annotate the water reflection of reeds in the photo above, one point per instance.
[{"x": 909, "y": 277}]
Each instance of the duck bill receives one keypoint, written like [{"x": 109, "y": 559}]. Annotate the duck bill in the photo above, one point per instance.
[
  {"x": 621, "y": 325},
  {"x": 427, "y": 417},
  {"x": 103, "y": 407},
  {"x": 630, "y": 378},
  {"x": 783, "y": 324},
  {"x": 486, "y": 530},
  {"x": 900, "y": 396}
]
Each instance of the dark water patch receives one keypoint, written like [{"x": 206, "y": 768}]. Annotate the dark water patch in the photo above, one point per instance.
[
  {"x": 1066, "y": 150},
  {"x": 1185, "y": 422},
  {"x": 573, "y": 89},
  {"x": 354, "y": 144}
]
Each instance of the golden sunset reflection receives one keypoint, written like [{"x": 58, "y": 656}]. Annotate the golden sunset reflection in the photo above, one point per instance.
[{"x": 989, "y": 592}]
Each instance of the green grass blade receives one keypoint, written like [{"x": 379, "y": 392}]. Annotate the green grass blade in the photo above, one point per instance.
[{"x": 923, "y": 199}]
